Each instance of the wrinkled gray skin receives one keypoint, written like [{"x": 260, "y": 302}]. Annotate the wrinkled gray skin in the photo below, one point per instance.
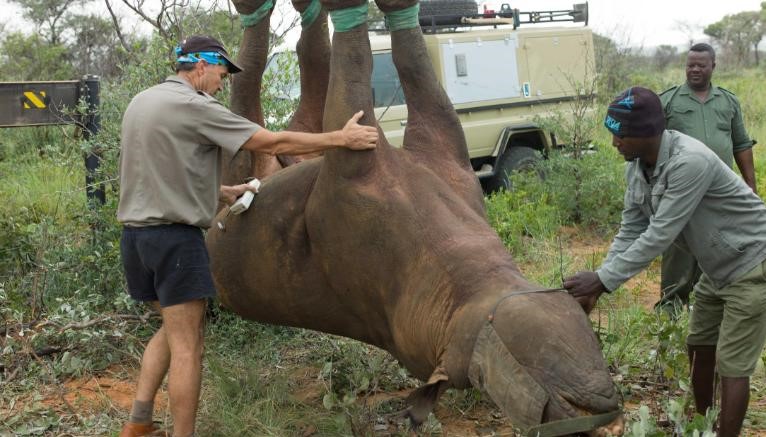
[{"x": 392, "y": 246}]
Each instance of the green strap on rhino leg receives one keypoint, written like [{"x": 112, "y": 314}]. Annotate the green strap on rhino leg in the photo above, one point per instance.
[
  {"x": 344, "y": 20},
  {"x": 402, "y": 19},
  {"x": 250, "y": 20},
  {"x": 309, "y": 16},
  {"x": 573, "y": 425}
]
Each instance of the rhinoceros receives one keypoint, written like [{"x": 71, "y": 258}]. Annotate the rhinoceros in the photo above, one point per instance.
[{"x": 392, "y": 246}]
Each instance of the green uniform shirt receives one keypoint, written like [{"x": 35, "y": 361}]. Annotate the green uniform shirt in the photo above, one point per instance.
[
  {"x": 170, "y": 155},
  {"x": 717, "y": 122},
  {"x": 690, "y": 195}
]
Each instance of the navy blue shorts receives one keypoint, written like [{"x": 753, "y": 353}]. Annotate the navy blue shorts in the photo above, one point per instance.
[{"x": 168, "y": 263}]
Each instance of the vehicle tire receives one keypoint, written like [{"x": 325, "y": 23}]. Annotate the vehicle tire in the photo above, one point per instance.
[
  {"x": 518, "y": 158},
  {"x": 448, "y": 11}
]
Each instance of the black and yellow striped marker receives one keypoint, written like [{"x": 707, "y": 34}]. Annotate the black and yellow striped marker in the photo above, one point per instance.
[{"x": 34, "y": 100}]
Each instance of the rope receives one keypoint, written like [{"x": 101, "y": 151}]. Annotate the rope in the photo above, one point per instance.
[
  {"x": 250, "y": 20},
  {"x": 309, "y": 16},
  {"x": 347, "y": 19},
  {"x": 402, "y": 19},
  {"x": 519, "y": 293}
]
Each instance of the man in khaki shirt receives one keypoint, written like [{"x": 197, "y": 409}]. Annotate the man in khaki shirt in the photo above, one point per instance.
[
  {"x": 172, "y": 137},
  {"x": 713, "y": 116},
  {"x": 679, "y": 190}
]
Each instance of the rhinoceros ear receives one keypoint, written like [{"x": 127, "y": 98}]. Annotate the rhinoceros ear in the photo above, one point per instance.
[
  {"x": 495, "y": 371},
  {"x": 423, "y": 400}
]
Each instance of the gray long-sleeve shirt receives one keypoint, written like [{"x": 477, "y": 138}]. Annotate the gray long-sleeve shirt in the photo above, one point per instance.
[{"x": 693, "y": 198}]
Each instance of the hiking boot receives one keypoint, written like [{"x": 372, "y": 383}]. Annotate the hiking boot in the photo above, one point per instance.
[{"x": 132, "y": 429}]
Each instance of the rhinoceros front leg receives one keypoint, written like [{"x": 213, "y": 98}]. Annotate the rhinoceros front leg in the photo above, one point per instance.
[
  {"x": 246, "y": 90},
  {"x": 350, "y": 88},
  {"x": 313, "y": 52}
]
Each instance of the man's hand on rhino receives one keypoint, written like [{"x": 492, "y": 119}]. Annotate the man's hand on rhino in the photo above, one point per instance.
[
  {"x": 357, "y": 136},
  {"x": 586, "y": 288},
  {"x": 229, "y": 193}
]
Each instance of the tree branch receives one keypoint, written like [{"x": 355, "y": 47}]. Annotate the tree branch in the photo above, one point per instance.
[
  {"x": 117, "y": 27},
  {"x": 138, "y": 8}
]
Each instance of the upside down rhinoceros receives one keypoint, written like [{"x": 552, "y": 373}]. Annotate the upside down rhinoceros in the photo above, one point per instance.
[{"x": 392, "y": 246}]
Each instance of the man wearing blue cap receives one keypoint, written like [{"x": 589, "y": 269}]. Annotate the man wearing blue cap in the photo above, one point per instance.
[
  {"x": 173, "y": 135},
  {"x": 679, "y": 190}
]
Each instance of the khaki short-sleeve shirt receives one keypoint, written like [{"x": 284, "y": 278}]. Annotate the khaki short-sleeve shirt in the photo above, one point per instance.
[
  {"x": 717, "y": 122},
  {"x": 171, "y": 152}
]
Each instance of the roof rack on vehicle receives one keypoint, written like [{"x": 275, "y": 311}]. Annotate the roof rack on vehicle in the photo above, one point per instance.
[{"x": 506, "y": 15}]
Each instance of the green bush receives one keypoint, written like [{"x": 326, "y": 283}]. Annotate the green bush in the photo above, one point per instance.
[{"x": 586, "y": 191}]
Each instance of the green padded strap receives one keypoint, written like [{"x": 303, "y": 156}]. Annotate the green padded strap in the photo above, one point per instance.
[
  {"x": 309, "y": 16},
  {"x": 347, "y": 19},
  {"x": 250, "y": 20},
  {"x": 406, "y": 18},
  {"x": 572, "y": 425}
]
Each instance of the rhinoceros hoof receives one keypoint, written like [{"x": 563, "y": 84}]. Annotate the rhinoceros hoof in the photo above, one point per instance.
[
  {"x": 247, "y": 6},
  {"x": 301, "y": 5},
  {"x": 332, "y": 5},
  {"x": 394, "y": 5}
]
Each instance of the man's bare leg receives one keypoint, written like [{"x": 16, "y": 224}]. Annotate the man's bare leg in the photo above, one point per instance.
[
  {"x": 702, "y": 367},
  {"x": 735, "y": 394},
  {"x": 154, "y": 364},
  {"x": 182, "y": 324}
]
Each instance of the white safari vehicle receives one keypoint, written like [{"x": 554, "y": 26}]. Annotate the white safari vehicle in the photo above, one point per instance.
[{"x": 501, "y": 69}]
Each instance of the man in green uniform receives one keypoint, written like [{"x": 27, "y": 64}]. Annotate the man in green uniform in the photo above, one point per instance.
[
  {"x": 679, "y": 190},
  {"x": 170, "y": 182},
  {"x": 713, "y": 116}
]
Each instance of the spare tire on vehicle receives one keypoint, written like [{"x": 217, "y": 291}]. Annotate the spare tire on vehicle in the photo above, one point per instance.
[{"x": 446, "y": 12}]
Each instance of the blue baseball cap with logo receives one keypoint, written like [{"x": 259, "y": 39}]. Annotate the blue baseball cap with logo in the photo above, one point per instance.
[{"x": 202, "y": 47}]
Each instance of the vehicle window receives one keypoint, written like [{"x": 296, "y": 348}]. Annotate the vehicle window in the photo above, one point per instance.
[
  {"x": 385, "y": 81},
  {"x": 281, "y": 77}
]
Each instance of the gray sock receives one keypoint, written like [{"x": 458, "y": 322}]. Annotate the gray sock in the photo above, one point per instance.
[{"x": 142, "y": 411}]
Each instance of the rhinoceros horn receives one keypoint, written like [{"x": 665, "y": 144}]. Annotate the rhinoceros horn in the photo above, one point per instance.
[{"x": 392, "y": 247}]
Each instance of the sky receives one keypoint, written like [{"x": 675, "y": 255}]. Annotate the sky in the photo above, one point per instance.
[
  {"x": 637, "y": 23},
  {"x": 646, "y": 23}
]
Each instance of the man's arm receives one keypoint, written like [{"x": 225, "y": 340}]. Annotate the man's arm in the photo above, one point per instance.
[
  {"x": 353, "y": 136},
  {"x": 744, "y": 160},
  {"x": 742, "y": 146},
  {"x": 586, "y": 287},
  {"x": 687, "y": 184},
  {"x": 632, "y": 225},
  {"x": 629, "y": 253}
]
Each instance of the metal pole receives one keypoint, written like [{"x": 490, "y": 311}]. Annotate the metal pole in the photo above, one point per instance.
[{"x": 89, "y": 88}]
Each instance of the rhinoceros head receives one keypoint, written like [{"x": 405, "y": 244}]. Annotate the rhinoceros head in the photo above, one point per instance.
[{"x": 535, "y": 357}]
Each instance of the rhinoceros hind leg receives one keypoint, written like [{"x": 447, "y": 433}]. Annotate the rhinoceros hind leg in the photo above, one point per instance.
[{"x": 433, "y": 133}]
